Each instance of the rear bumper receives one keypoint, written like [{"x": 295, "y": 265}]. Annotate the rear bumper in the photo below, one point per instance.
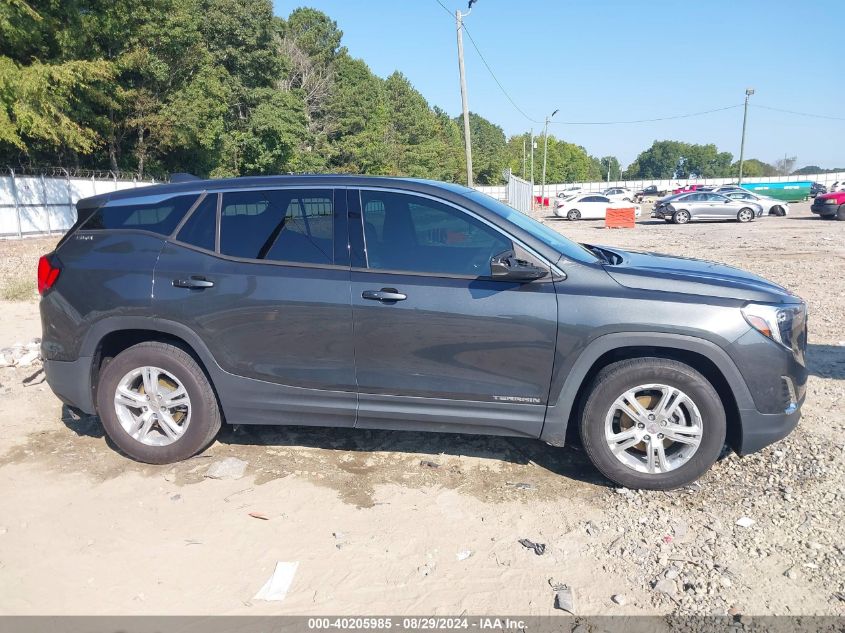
[
  {"x": 71, "y": 382},
  {"x": 761, "y": 429}
]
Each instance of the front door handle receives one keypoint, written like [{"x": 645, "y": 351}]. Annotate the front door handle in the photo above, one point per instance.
[
  {"x": 194, "y": 282},
  {"x": 386, "y": 295}
]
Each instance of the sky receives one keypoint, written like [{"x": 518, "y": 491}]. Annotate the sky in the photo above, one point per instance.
[{"x": 621, "y": 60}]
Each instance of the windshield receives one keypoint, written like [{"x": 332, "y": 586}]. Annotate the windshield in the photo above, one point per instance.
[{"x": 549, "y": 237}]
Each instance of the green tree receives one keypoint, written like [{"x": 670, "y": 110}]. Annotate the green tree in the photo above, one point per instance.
[
  {"x": 489, "y": 149},
  {"x": 753, "y": 168}
]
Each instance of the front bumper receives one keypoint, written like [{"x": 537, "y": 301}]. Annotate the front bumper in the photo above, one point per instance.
[
  {"x": 761, "y": 429},
  {"x": 71, "y": 382},
  {"x": 824, "y": 210}
]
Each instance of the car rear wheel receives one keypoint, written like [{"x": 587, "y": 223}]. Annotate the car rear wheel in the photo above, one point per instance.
[
  {"x": 681, "y": 217},
  {"x": 574, "y": 214},
  {"x": 156, "y": 403},
  {"x": 652, "y": 423},
  {"x": 745, "y": 215}
]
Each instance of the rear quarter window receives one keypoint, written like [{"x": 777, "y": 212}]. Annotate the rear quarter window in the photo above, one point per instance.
[{"x": 156, "y": 215}]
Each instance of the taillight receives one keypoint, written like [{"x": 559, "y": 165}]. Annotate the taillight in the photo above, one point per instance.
[{"x": 48, "y": 273}]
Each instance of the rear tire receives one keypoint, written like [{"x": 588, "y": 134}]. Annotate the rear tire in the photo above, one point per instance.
[
  {"x": 681, "y": 217},
  {"x": 696, "y": 402},
  {"x": 196, "y": 420},
  {"x": 574, "y": 214},
  {"x": 745, "y": 215}
]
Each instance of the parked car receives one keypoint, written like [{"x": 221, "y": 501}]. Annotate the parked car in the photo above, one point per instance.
[
  {"x": 571, "y": 191},
  {"x": 771, "y": 206},
  {"x": 387, "y": 303},
  {"x": 706, "y": 206},
  {"x": 619, "y": 194},
  {"x": 817, "y": 188},
  {"x": 652, "y": 191},
  {"x": 723, "y": 189},
  {"x": 830, "y": 205},
  {"x": 590, "y": 206},
  {"x": 687, "y": 189}
]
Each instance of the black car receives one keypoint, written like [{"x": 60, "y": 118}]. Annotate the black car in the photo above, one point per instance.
[
  {"x": 407, "y": 304},
  {"x": 817, "y": 189}
]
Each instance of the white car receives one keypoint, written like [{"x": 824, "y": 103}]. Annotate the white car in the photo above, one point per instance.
[
  {"x": 771, "y": 206},
  {"x": 619, "y": 194},
  {"x": 590, "y": 206},
  {"x": 572, "y": 191}
]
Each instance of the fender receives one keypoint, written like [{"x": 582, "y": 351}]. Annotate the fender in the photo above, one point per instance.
[{"x": 557, "y": 414}]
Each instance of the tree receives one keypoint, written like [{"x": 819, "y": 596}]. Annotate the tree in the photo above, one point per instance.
[
  {"x": 675, "y": 159},
  {"x": 610, "y": 168},
  {"x": 753, "y": 168},
  {"x": 489, "y": 150}
]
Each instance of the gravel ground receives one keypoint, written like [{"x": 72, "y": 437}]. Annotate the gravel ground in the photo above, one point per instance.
[{"x": 759, "y": 535}]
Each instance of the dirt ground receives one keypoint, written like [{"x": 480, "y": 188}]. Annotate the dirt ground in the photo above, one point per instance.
[{"x": 381, "y": 522}]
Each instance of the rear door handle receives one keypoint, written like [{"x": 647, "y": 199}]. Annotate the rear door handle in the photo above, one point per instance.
[
  {"x": 386, "y": 295},
  {"x": 194, "y": 282}
]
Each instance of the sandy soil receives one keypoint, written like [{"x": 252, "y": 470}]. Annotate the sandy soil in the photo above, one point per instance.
[{"x": 377, "y": 530}]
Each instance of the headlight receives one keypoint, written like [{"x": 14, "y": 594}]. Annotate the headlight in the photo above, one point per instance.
[
  {"x": 784, "y": 324},
  {"x": 830, "y": 201}
]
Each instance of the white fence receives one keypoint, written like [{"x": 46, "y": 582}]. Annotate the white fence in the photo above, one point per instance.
[
  {"x": 500, "y": 191},
  {"x": 518, "y": 193},
  {"x": 42, "y": 205}
]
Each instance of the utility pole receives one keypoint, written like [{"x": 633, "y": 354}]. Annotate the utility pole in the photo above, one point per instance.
[
  {"x": 524, "y": 140},
  {"x": 533, "y": 146},
  {"x": 467, "y": 141},
  {"x": 748, "y": 93},
  {"x": 545, "y": 155}
]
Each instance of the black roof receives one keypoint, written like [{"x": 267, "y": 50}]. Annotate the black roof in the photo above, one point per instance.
[{"x": 246, "y": 182}]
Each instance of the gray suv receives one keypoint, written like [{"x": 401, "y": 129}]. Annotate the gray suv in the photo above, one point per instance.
[{"x": 367, "y": 302}]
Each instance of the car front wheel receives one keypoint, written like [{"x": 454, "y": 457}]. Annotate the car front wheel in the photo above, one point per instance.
[
  {"x": 652, "y": 423},
  {"x": 681, "y": 217},
  {"x": 156, "y": 403}
]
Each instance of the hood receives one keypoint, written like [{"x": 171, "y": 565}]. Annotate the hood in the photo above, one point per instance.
[{"x": 652, "y": 271}]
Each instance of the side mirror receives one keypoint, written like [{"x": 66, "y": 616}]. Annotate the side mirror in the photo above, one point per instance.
[{"x": 506, "y": 267}]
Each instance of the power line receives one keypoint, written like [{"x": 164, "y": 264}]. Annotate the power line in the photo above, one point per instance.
[
  {"x": 496, "y": 79},
  {"x": 809, "y": 114},
  {"x": 662, "y": 118}
]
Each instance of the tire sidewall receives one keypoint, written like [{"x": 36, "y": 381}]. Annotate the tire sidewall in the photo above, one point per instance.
[
  {"x": 191, "y": 377},
  {"x": 574, "y": 214},
  {"x": 690, "y": 382},
  {"x": 682, "y": 214},
  {"x": 739, "y": 215}
]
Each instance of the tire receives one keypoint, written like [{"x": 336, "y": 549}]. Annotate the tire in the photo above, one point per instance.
[
  {"x": 840, "y": 213},
  {"x": 745, "y": 215},
  {"x": 777, "y": 211},
  {"x": 626, "y": 200},
  {"x": 597, "y": 416},
  {"x": 574, "y": 214},
  {"x": 681, "y": 217},
  {"x": 200, "y": 418}
]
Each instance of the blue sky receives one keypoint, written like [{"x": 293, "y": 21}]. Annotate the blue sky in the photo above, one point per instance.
[{"x": 621, "y": 60}]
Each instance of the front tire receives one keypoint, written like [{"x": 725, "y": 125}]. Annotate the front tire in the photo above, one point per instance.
[
  {"x": 156, "y": 403},
  {"x": 840, "y": 213},
  {"x": 681, "y": 217},
  {"x": 652, "y": 423}
]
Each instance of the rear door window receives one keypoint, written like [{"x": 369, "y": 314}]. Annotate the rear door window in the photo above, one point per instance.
[
  {"x": 155, "y": 213},
  {"x": 288, "y": 225}
]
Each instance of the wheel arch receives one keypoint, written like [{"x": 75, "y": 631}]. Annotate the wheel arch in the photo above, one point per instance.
[
  {"x": 112, "y": 335},
  {"x": 704, "y": 356}
]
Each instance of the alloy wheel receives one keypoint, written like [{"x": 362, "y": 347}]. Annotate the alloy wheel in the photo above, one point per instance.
[
  {"x": 152, "y": 406},
  {"x": 653, "y": 428}
]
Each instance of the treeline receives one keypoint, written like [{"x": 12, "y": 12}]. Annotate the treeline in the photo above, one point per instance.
[{"x": 225, "y": 88}]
